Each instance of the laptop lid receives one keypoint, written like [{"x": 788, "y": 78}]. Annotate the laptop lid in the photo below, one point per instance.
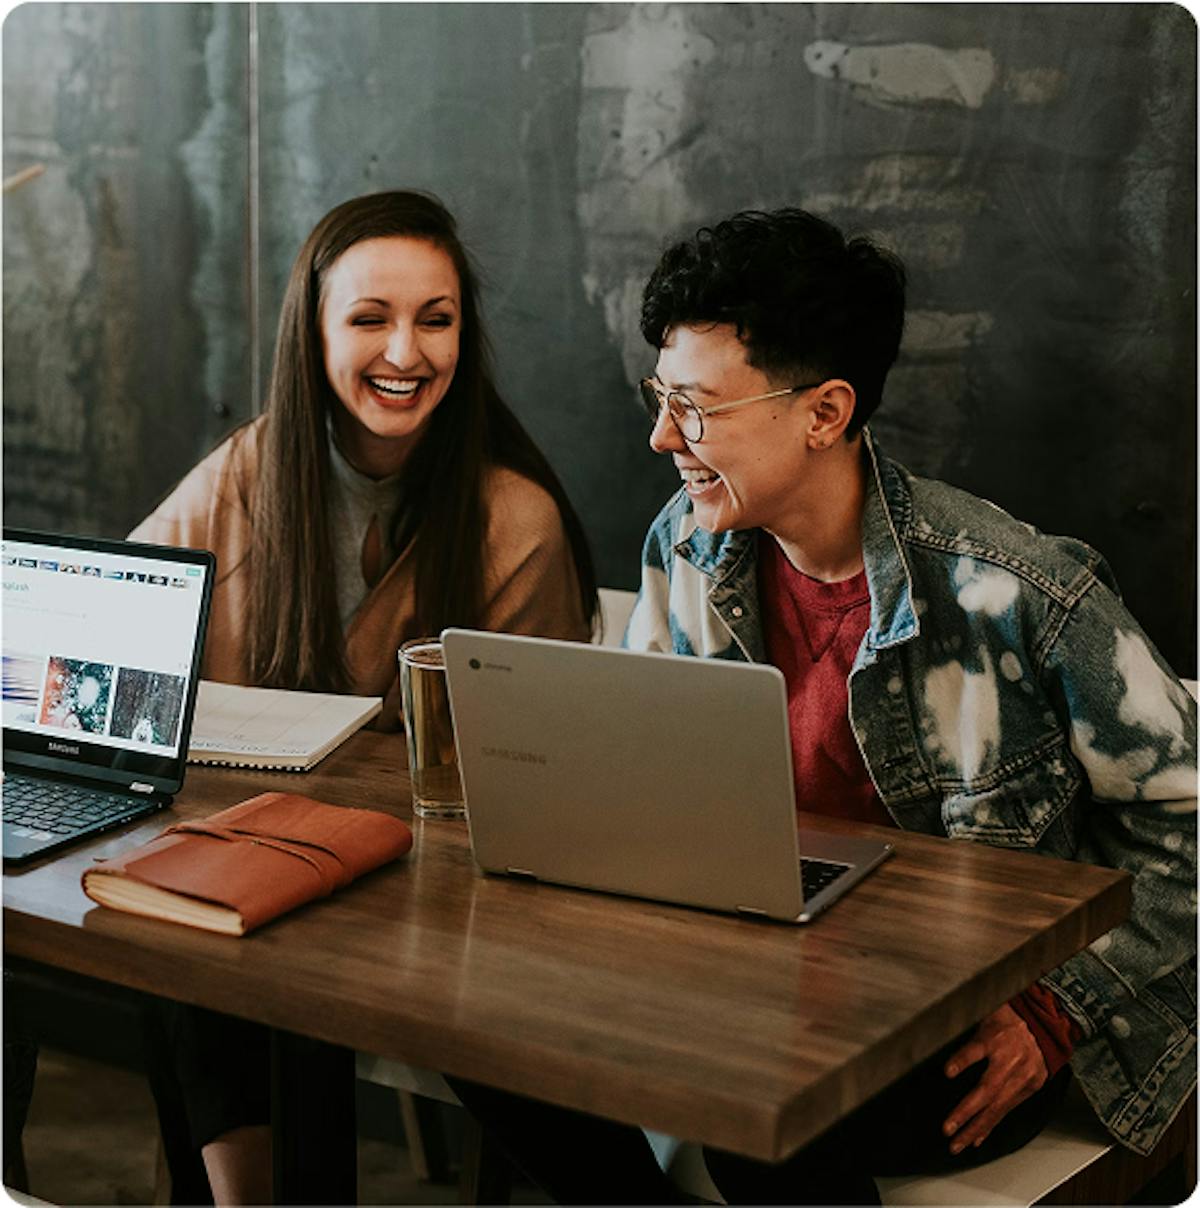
[
  {"x": 101, "y": 657},
  {"x": 648, "y": 774}
]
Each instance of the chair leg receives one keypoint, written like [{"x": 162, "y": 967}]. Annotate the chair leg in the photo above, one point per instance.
[
  {"x": 425, "y": 1136},
  {"x": 486, "y": 1172}
]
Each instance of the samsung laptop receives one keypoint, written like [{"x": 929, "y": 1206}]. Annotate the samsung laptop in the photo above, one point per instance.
[
  {"x": 101, "y": 658},
  {"x": 653, "y": 775}
]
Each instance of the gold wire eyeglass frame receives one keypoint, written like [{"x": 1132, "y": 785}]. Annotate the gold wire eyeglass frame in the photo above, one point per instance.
[{"x": 689, "y": 417}]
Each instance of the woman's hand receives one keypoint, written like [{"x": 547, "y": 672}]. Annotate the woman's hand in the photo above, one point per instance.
[{"x": 1015, "y": 1069}]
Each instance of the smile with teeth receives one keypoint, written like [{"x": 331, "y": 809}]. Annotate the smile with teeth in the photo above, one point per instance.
[
  {"x": 397, "y": 388},
  {"x": 696, "y": 481}
]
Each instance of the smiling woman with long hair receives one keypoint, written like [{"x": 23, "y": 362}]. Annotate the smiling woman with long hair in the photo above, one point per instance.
[{"x": 388, "y": 491}]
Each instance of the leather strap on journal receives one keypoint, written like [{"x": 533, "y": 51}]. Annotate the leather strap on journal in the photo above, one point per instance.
[{"x": 331, "y": 877}]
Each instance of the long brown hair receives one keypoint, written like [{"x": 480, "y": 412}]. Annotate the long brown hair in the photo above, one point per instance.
[{"x": 295, "y": 635}]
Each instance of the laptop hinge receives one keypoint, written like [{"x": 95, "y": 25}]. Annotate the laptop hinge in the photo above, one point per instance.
[
  {"x": 138, "y": 787},
  {"x": 521, "y": 872},
  {"x": 750, "y": 910}
]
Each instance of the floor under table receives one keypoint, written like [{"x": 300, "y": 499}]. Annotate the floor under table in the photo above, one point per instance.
[{"x": 92, "y": 1138}]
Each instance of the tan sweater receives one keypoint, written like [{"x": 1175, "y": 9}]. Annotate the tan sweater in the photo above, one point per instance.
[{"x": 530, "y": 584}]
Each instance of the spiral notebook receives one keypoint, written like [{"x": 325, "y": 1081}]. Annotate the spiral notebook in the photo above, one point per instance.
[{"x": 272, "y": 727}]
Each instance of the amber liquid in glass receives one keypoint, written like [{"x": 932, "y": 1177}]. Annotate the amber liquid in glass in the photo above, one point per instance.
[{"x": 432, "y": 757}]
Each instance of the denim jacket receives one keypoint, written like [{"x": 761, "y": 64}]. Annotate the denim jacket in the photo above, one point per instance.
[{"x": 1003, "y": 694}]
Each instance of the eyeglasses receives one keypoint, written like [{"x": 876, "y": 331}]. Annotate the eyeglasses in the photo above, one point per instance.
[{"x": 687, "y": 416}]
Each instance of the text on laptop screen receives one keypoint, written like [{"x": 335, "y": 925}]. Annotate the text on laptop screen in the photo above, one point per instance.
[{"x": 98, "y": 646}]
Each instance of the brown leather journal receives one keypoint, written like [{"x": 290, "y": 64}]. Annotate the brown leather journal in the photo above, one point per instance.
[{"x": 248, "y": 864}]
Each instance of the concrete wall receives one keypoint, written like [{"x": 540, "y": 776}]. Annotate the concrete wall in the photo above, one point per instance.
[{"x": 1035, "y": 165}]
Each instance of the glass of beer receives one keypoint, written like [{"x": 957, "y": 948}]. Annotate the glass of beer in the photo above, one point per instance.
[{"x": 432, "y": 757}]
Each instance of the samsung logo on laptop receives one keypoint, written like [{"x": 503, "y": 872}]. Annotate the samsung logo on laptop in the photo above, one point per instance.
[
  {"x": 514, "y": 756},
  {"x": 62, "y": 748}
]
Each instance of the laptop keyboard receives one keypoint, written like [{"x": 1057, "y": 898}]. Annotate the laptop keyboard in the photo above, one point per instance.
[
  {"x": 816, "y": 875},
  {"x": 47, "y": 808}
]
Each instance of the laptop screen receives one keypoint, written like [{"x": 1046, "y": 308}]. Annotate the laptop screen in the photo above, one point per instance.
[{"x": 101, "y": 650}]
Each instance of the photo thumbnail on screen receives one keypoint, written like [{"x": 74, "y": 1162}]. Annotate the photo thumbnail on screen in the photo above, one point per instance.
[
  {"x": 147, "y": 707},
  {"x": 22, "y": 677},
  {"x": 77, "y": 695}
]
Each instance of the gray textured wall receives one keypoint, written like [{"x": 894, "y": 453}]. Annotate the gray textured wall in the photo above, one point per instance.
[{"x": 1035, "y": 165}]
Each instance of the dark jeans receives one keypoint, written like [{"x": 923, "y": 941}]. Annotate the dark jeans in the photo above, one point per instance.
[
  {"x": 209, "y": 1073},
  {"x": 580, "y": 1159},
  {"x": 217, "y": 1065}
]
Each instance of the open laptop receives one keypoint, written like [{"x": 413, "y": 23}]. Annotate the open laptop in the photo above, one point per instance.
[
  {"x": 647, "y": 774},
  {"x": 101, "y": 658}
]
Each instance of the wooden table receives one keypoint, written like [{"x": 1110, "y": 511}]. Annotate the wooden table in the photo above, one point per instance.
[{"x": 749, "y": 1035}]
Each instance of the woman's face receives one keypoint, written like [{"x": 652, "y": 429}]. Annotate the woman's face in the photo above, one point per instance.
[{"x": 390, "y": 318}]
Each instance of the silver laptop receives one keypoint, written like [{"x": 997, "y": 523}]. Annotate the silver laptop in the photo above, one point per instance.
[
  {"x": 101, "y": 657},
  {"x": 653, "y": 775}
]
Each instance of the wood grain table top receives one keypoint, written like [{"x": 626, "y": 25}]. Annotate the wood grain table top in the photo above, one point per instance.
[{"x": 741, "y": 1033}]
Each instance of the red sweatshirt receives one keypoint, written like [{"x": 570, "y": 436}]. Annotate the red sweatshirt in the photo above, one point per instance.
[{"x": 812, "y": 632}]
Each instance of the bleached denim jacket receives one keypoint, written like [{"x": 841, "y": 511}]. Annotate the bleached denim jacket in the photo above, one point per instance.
[{"x": 1002, "y": 693}]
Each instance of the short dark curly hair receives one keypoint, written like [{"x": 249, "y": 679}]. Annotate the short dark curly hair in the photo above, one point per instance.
[{"x": 804, "y": 300}]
